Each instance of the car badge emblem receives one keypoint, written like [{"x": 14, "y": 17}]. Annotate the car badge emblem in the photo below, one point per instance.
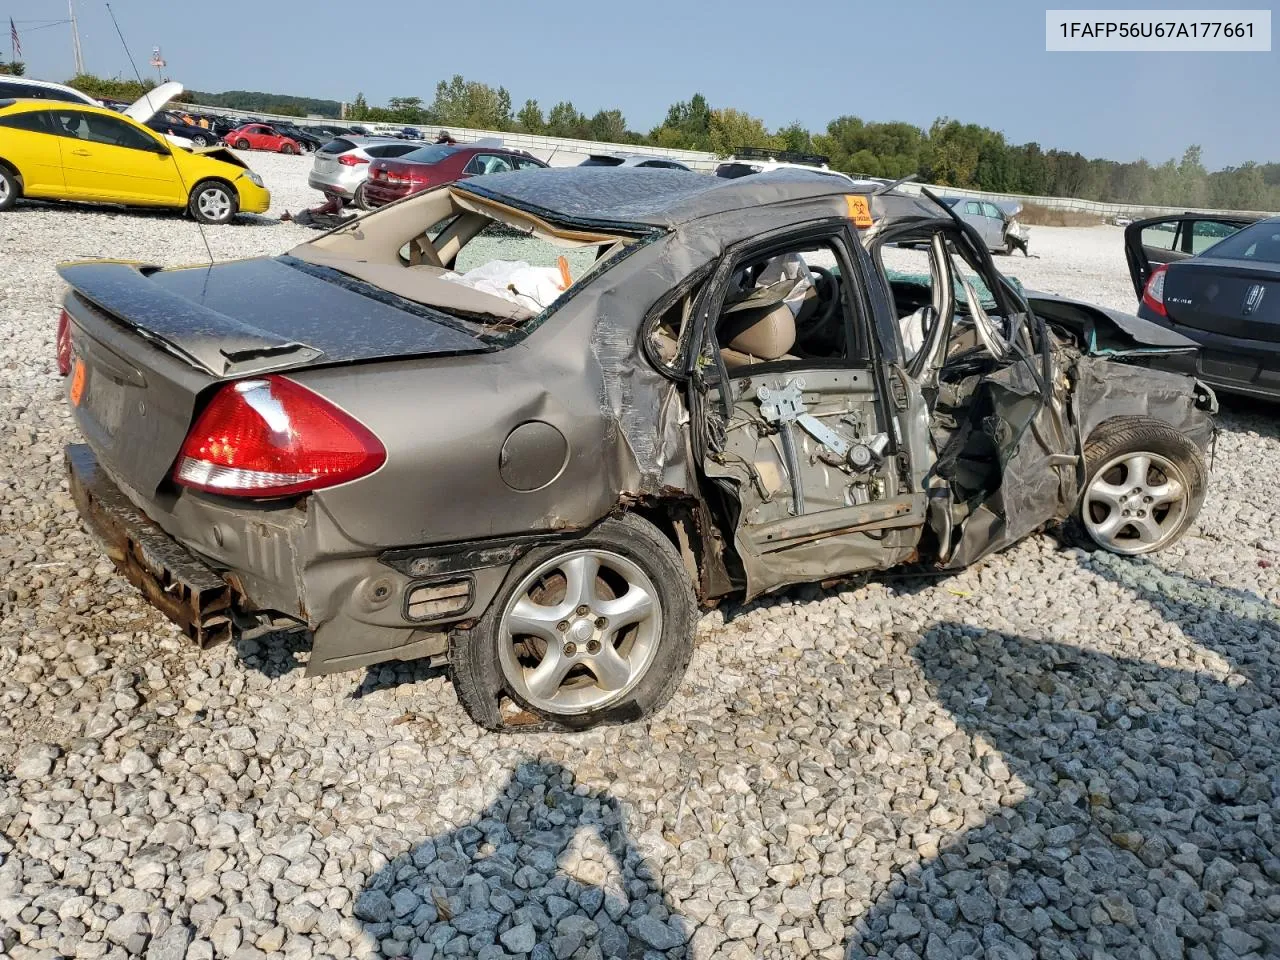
[{"x": 1253, "y": 299}]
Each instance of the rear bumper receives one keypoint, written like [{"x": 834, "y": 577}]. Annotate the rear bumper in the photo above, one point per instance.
[
  {"x": 378, "y": 194},
  {"x": 245, "y": 567},
  {"x": 342, "y": 186},
  {"x": 1228, "y": 364},
  {"x": 174, "y": 581}
]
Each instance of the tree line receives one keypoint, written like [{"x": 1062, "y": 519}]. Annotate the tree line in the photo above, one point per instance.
[{"x": 949, "y": 152}]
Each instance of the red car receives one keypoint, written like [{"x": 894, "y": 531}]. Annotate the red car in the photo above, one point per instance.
[
  {"x": 258, "y": 136},
  {"x": 437, "y": 164}
]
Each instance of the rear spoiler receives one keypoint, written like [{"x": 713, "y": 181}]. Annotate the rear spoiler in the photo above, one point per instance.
[{"x": 214, "y": 342}]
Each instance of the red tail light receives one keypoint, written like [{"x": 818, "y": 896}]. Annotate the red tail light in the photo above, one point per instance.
[
  {"x": 351, "y": 160},
  {"x": 64, "y": 343},
  {"x": 1153, "y": 292},
  {"x": 273, "y": 438}
]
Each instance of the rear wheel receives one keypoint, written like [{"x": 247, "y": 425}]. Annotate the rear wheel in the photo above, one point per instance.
[
  {"x": 213, "y": 202},
  {"x": 1145, "y": 483},
  {"x": 242, "y": 144},
  {"x": 9, "y": 189},
  {"x": 597, "y": 630},
  {"x": 361, "y": 200}
]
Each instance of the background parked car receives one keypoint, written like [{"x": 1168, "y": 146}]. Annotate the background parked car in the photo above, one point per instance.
[
  {"x": 1002, "y": 233},
  {"x": 72, "y": 151},
  {"x": 341, "y": 166},
  {"x": 752, "y": 160},
  {"x": 24, "y": 88},
  {"x": 259, "y": 136},
  {"x": 1219, "y": 286},
  {"x": 1159, "y": 240},
  {"x": 631, "y": 160},
  {"x": 305, "y": 138},
  {"x": 440, "y": 163},
  {"x": 172, "y": 125}
]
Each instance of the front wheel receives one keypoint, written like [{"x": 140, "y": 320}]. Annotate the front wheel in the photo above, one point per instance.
[
  {"x": 9, "y": 189},
  {"x": 1145, "y": 483},
  {"x": 200, "y": 141},
  {"x": 213, "y": 203},
  {"x": 286, "y": 148},
  {"x": 593, "y": 631}
]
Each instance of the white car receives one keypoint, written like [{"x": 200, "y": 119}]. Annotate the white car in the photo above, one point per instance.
[
  {"x": 24, "y": 88},
  {"x": 632, "y": 160},
  {"x": 757, "y": 160}
]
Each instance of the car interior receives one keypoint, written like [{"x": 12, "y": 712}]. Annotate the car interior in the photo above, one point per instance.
[
  {"x": 393, "y": 251},
  {"x": 782, "y": 308}
]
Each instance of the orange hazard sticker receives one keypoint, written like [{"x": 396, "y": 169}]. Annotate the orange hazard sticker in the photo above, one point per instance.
[
  {"x": 859, "y": 211},
  {"x": 77, "y": 382}
]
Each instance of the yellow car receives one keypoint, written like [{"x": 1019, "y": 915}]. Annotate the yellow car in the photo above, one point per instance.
[{"x": 70, "y": 151}]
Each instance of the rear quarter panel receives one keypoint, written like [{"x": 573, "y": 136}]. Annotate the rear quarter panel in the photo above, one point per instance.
[{"x": 37, "y": 159}]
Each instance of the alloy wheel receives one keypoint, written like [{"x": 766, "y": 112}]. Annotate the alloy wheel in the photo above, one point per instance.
[
  {"x": 1136, "y": 503},
  {"x": 579, "y": 632}
]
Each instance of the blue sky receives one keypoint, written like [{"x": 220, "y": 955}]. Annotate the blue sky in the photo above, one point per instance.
[{"x": 812, "y": 61}]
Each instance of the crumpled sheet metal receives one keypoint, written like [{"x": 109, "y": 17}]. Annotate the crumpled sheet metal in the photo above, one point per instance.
[
  {"x": 1038, "y": 485},
  {"x": 1105, "y": 389},
  {"x": 1039, "y": 478},
  {"x": 649, "y": 458}
]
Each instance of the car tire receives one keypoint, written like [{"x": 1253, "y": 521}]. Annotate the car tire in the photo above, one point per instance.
[
  {"x": 361, "y": 201},
  {"x": 647, "y": 658},
  {"x": 1144, "y": 485},
  {"x": 200, "y": 141},
  {"x": 213, "y": 202},
  {"x": 242, "y": 144},
  {"x": 287, "y": 148},
  {"x": 10, "y": 189}
]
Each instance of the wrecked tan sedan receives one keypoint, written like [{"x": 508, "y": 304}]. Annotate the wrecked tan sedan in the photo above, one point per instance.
[{"x": 673, "y": 388}]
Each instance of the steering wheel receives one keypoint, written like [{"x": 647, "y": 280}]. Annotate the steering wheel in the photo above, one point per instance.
[{"x": 828, "y": 288}]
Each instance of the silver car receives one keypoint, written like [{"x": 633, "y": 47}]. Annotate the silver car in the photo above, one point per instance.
[
  {"x": 997, "y": 226},
  {"x": 341, "y": 166},
  {"x": 618, "y": 159}
]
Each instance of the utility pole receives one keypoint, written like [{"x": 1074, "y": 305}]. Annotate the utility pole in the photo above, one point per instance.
[{"x": 75, "y": 37}]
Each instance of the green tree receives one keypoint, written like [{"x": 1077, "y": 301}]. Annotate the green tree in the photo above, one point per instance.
[
  {"x": 730, "y": 129},
  {"x": 608, "y": 126},
  {"x": 359, "y": 108},
  {"x": 469, "y": 103},
  {"x": 795, "y": 137},
  {"x": 102, "y": 88},
  {"x": 564, "y": 120},
  {"x": 688, "y": 125},
  {"x": 406, "y": 110},
  {"x": 14, "y": 68},
  {"x": 530, "y": 118}
]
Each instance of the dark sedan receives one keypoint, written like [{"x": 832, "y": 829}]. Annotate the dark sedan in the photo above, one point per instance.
[
  {"x": 1222, "y": 291},
  {"x": 168, "y": 123}
]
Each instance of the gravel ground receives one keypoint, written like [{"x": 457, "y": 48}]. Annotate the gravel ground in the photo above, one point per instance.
[{"x": 1058, "y": 755}]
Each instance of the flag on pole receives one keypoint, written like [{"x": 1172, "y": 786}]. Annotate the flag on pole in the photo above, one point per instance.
[{"x": 13, "y": 39}]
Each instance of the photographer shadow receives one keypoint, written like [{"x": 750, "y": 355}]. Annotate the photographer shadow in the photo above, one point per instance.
[
  {"x": 1136, "y": 816},
  {"x": 547, "y": 870}
]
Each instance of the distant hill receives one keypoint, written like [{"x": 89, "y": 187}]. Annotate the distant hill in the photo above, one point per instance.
[{"x": 252, "y": 101}]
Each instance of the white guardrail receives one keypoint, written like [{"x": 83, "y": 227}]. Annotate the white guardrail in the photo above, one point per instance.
[{"x": 563, "y": 152}]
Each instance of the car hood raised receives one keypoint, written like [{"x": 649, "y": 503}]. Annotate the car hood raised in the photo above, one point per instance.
[{"x": 153, "y": 101}]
